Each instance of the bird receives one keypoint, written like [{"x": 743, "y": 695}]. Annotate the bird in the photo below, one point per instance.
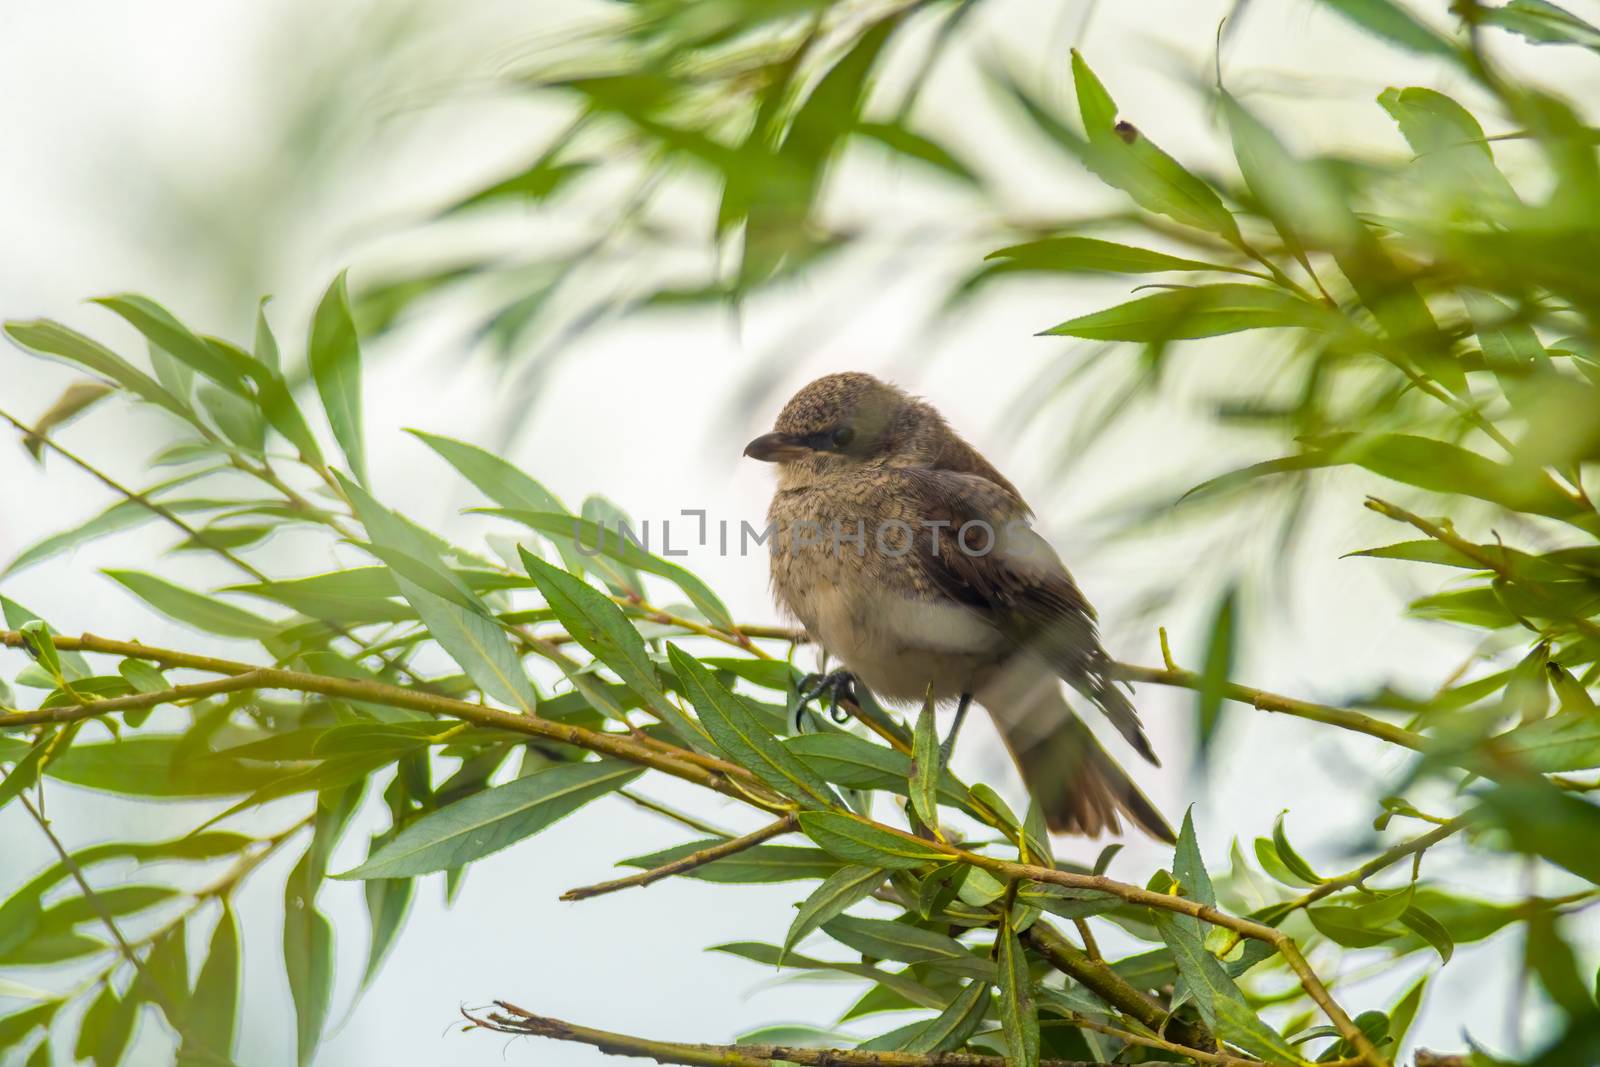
[{"x": 909, "y": 558}]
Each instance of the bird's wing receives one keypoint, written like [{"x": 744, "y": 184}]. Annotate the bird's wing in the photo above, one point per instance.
[{"x": 1019, "y": 585}]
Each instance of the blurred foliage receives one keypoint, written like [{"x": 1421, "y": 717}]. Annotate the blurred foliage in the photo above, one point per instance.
[{"x": 1442, "y": 322}]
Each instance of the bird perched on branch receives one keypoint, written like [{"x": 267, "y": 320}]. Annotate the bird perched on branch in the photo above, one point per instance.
[{"x": 909, "y": 557}]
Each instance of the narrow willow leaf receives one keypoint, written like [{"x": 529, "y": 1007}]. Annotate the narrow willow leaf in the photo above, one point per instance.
[
  {"x": 745, "y": 738},
  {"x": 600, "y": 627},
  {"x": 155, "y": 766},
  {"x": 1390, "y": 22},
  {"x": 53, "y": 339},
  {"x": 1018, "y": 1020},
  {"x": 308, "y": 963},
  {"x": 503, "y": 482},
  {"x": 925, "y": 766},
  {"x": 763, "y": 863},
  {"x": 883, "y": 939},
  {"x": 76, "y": 399},
  {"x": 489, "y": 821},
  {"x": 1075, "y": 254},
  {"x": 855, "y": 841},
  {"x": 832, "y": 898},
  {"x": 592, "y": 539},
  {"x": 195, "y": 609},
  {"x": 1566, "y": 741},
  {"x": 117, "y": 901},
  {"x": 1404, "y": 1012},
  {"x": 161, "y": 328},
  {"x": 1190, "y": 871},
  {"x": 1216, "y": 671},
  {"x": 908, "y": 989},
  {"x": 1122, "y": 157},
  {"x": 1430, "y": 930},
  {"x": 388, "y": 902},
  {"x": 1220, "y": 1003},
  {"x": 1349, "y": 927},
  {"x": 915, "y": 146},
  {"x": 956, "y": 1024},
  {"x": 334, "y": 353},
  {"x": 214, "y": 1010},
  {"x": 25, "y": 771},
  {"x": 469, "y": 635},
  {"x": 1198, "y": 311},
  {"x": 1291, "y": 859}
]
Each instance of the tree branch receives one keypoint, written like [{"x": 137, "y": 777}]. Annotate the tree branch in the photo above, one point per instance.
[
  {"x": 510, "y": 1019},
  {"x": 787, "y": 824},
  {"x": 1262, "y": 700},
  {"x": 682, "y": 766}
]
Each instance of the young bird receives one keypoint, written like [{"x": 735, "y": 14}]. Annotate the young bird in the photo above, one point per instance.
[{"x": 908, "y": 557}]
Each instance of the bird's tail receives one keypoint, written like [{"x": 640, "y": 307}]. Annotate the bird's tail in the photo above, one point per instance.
[{"x": 1078, "y": 785}]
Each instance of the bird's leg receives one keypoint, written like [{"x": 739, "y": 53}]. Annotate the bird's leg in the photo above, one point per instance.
[
  {"x": 837, "y": 685},
  {"x": 949, "y": 744}
]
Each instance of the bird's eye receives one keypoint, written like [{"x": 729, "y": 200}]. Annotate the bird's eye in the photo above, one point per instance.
[{"x": 843, "y": 436}]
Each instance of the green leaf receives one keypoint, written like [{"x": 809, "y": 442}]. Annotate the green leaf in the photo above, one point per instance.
[
  {"x": 925, "y": 766},
  {"x": 1122, "y": 157},
  {"x": 334, "y": 353},
  {"x": 1430, "y": 930},
  {"x": 1349, "y": 926},
  {"x": 164, "y": 978},
  {"x": 1197, "y": 311},
  {"x": 123, "y": 515},
  {"x": 832, "y": 898},
  {"x": 763, "y": 863},
  {"x": 883, "y": 939},
  {"x": 214, "y": 1010},
  {"x": 117, "y": 901},
  {"x": 106, "y": 1027},
  {"x": 25, "y": 771},
  {"x": 308, "y": 962},
  {"x": 388, "y": 902},
  {"x": 1544, "y": 821},
  {"x": 1222, "y": 1007},
  {"x": 1090, "y": 254},
  {"x": 1216, "y": 671},
  {"x": 745, "y": 739},
  {"x": 1549, "y": 956},
  {"x": 1542, "y": 23},
  {"x": 195, "y": 609},
  {"x": 1566, "y": 741},
  {"x": 855, "y": 841},
  {"x": 1018, "y": 1020},
  {"x": 592, "y": 540},
  {"x": 487, "y": 822},
  {"x": 953, "y": 1027},
  {"x": 503, "y": 482},
  {"x": 900, "y": 984},
  {"x": 1190, "y": 871},
  {"x": 1390, "y": 22},
  {"x": 143, "y": 676},
  {"x": 162, "y": 329},
  {"x": 600, "y": 627},
  {"x": 469, "y": 635},
  {"x": 41, "y": 645},
  {"x": 53, "y": 339},
  {"x": 1404, "y": 1012},
  {"x": 155, "y": 766},
  {"x": 1291, "y": 859}
]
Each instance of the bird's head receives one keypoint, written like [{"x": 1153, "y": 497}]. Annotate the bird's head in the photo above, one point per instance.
[{"x": 849, "y": 419}]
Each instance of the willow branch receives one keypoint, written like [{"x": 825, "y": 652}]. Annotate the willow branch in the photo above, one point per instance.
[
  {"x": 1262, "y": 700},
  {"x": 785, "y": 825},
  {"x": 1385, "y": 859},
  {"x": 245, "y": 676},
  {"x": 510, "y": 1019}
]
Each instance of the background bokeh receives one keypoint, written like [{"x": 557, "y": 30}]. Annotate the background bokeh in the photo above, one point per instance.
[{"x": 206, "y": 154}]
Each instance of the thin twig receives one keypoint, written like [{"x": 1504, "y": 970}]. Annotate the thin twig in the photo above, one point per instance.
[
  {"x": 510, "y": 1019},
  {"x": 787, "y": 824}
]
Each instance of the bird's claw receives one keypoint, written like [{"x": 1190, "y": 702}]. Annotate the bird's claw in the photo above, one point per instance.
[{"x": 835, "y": 685}]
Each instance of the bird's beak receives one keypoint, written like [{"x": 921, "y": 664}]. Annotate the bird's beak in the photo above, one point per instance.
[{"x": 776, "y": 448}]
